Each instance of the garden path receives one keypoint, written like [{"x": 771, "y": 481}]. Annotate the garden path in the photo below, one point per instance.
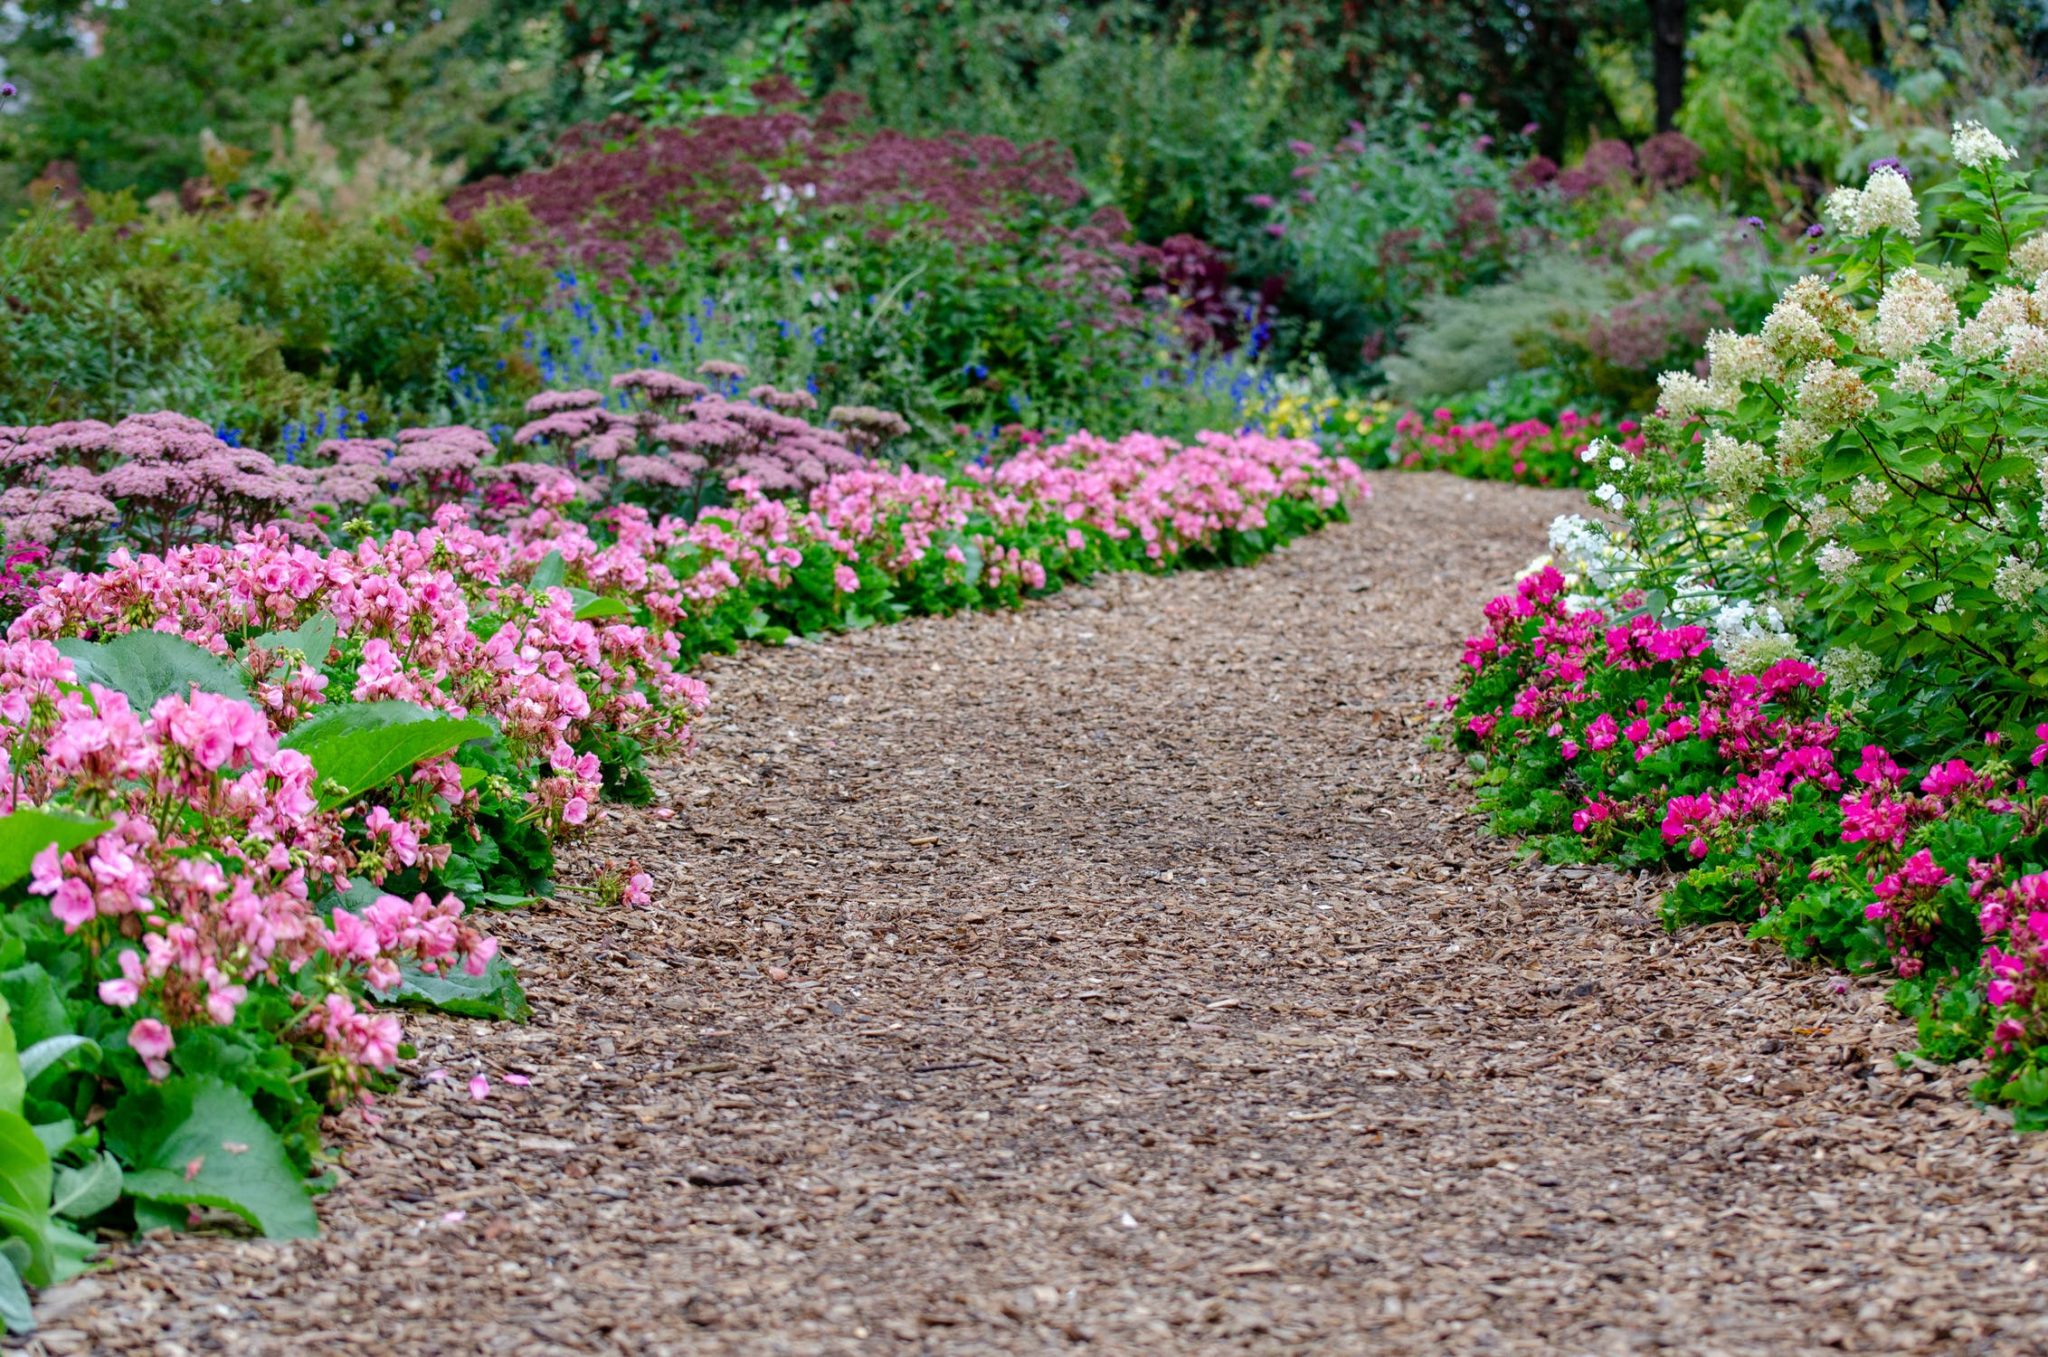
[{"x": 1129, "y": 969}]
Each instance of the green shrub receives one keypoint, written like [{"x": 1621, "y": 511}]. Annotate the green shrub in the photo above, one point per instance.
[{"x": 251, "y": 320}]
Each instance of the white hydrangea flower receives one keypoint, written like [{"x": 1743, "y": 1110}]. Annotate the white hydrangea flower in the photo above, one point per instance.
[
  {"x": 1734, "y": 468},
  {"x": 1794, "y": 335},
  {"x": 1835, "y": 561},
  {"x": 1798, "y": 437},
  {"x": 1681, "y": 394},
  {"x": 1749, "y": 637},
  {"x": 1915, "y": 378},
  {"x": 2029, "y": 258},
  {"x": 1822, "y": 517},
  {"x": 1912, "y": 313},
  {"x": 1885, "y": 201},
  {"x": 2017, "y": 580},
  {"x": 2026, "y": 353},
  {"x": 1975, "y": 145},
  {"x": 1734, "y": 360},
  {"x": 1852, "y": 669},
  {"x": 1833, "y": 396},
  {"x": 1591, "y": 556}
]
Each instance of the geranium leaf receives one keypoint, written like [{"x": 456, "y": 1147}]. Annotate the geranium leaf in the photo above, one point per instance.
[{"x": 148, "y": 665}]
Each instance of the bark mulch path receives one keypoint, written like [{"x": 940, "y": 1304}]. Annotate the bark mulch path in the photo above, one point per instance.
[{"x": 1129, "y": 972}]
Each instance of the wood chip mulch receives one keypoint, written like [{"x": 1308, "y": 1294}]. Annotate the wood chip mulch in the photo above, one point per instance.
[{"x": 1128, "y": 973}]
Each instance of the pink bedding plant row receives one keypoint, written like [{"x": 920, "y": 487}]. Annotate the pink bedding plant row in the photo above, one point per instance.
[
  {"x": 232, "y": 891},
  {"x": 1531, "y": 451},
  {"x": 1625, "y": 740}
]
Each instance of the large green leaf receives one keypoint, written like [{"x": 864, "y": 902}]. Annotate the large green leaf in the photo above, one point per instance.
[
  {"x": 199, "y": 1142},
  {"x": 13, "y": 1083},
  {"x": 58, "y": 1054},
  {"x": 25, "y": 1181},
  {"x": 147, "y": 665},
  {"x": 25, "y": 833},
  {"x": 494, "y": 994},
  {"x": 312, "y": 639},
  {"x": 361, "y": 745},
  {"x": 85, "y": 1192},
  {"x": 594, "y": 607},
  {"x": 550, "y": 573},
  {"x": 14, "y": 1308},
  {"x": 34, "y": 1007}
]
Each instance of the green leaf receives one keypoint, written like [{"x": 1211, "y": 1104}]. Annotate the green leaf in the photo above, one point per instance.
[
  {"x": 590, "y": 607},
  {"x": 312, "y": 640},
  {"x": 81, "y": 1193},
  {"x": 148, "y": 665},
  {"x": 25, "y": 833},
  {"x": 199, "y": 1142},
  {"x": 363, "y": 744},
  {"x": 13, "y": 1084},
  {"x": 14, "y": 1307},
  {"x": 25, "y": 1195},
  {"x": 550, "y": 573},
  {"x": 494, "y": 994},
  {"x": 57, "y": 1053},
  {"x": 35, "y": 1008},
  {"x": 62, "y": 1137}
]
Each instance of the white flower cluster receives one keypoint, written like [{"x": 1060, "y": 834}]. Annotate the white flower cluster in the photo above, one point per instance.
[
  {"x": 1749, "y": 637},
  {"x": 1682, "y": 395},
  {"x": 1833, "y": 396},
  {"x": 2029, "y": 258},
  {"x": 2017, "y": 580},
  {"x": 1588, "y": 554},
  {"x": 1835, "y": 561},
  {"x": 1983, "y": 334},
  {"x": 1976, "y": 146},
  {"x": 1735, "y": 469},
  {"x": 1851, "y": 669},
  {"x": 1868, "y": 497},
  {"x": 1915, "y": 378},
  {"x": 1884, "y": 202},
  {"x": 1913, "y": 312},
  {"x": 2026, "y": 353},
  {"x": 1734, "y": 359}
]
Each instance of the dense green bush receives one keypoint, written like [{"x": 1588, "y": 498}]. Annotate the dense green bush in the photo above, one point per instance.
[{"x": 251, "y": 320}]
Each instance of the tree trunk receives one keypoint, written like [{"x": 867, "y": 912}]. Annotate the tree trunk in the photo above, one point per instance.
[{"x": 1667, "y": 58}]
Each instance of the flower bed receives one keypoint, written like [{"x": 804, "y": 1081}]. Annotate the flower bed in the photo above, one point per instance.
[
  {"x": 1803, "y": 666},
  {"x": 256, "y": 790}
]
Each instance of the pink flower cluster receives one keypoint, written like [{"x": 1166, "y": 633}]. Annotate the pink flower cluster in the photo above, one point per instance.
[
  {"x": 205, "y": 883},
  {"x": 1527, "y": 450}
]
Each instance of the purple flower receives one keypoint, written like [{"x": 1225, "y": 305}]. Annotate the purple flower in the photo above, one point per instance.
[
  {"x": 1529, "y": 129},
  {"x": 1261, "y": 200},
  {"x": 1754, "y": 223},
  {"x": 7, "y": 90},
  {"x": 1890, "y": 162},
  {"x": 1815, "y": 231}
]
